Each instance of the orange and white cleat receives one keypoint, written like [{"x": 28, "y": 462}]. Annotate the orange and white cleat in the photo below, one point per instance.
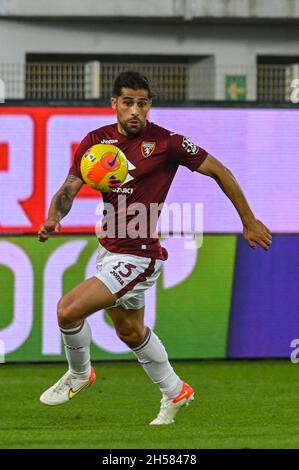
[
  {"x": 170, "y": 406},
  {"x": 66, "y": 388}
]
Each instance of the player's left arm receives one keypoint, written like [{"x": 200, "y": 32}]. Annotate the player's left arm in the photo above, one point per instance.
[{"x": 254, "y": 231}]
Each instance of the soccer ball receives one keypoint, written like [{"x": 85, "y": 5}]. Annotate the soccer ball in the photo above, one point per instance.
[{"x": 104, "y": 167}]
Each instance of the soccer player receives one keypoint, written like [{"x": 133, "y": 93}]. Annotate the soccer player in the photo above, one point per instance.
[{"x": 127, "y": 266}]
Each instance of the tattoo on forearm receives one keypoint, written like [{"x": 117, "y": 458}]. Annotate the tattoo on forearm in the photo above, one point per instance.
[
  {"x": 63, "y": 203},
  {"x": 71, "y": 178}
]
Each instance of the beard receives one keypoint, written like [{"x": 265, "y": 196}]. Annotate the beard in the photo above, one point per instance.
[{"x": 132, "y": 129}]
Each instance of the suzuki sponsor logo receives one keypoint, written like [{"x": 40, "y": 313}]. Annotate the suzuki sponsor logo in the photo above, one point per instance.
[{"x": 123, "y": 190}]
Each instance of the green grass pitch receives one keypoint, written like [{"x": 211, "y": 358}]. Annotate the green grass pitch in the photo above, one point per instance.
[{"x": 241, "y": 404}]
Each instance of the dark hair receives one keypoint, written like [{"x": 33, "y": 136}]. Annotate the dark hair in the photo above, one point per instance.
[{"x": 131, "y": 79}]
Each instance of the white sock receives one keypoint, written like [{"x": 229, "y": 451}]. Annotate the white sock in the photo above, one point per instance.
[
  {"x": 153, "y": 357},
  {"x": 77, "y": 344}
]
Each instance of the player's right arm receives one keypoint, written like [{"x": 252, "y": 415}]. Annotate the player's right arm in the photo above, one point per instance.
[{"x": 60, "y": 206}]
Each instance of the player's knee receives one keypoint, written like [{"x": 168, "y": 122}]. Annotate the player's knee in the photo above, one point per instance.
[
  {"x": 66, "y": 315},
  {"x": 130, "y": 335}
]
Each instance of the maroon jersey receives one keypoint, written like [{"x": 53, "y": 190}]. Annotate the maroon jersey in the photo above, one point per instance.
[{"x": 154, "y": 156}]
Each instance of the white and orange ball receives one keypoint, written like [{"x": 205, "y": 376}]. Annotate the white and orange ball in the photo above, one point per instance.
[{"x": 104, "y": 167}]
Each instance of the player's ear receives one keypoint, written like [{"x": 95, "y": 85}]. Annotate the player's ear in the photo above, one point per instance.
[{"x": 113, "y": 102}]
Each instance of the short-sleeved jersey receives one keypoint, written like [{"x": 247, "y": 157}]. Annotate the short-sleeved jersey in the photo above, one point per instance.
[{"x": 154, "y": 156}]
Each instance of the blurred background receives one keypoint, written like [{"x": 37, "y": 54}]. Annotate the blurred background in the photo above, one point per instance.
[{"x": 226, "y": 74}]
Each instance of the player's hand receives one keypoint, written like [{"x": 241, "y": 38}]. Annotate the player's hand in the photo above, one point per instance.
[
  {"x": 47, "y": 229},
  {"x": 257, "y": 233}
]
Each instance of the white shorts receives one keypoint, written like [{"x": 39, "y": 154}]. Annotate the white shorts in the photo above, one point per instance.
[{"x": 127, "y": 276}]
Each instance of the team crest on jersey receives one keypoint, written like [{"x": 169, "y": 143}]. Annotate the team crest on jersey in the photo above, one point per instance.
[{"x": 147, "y": 148}]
